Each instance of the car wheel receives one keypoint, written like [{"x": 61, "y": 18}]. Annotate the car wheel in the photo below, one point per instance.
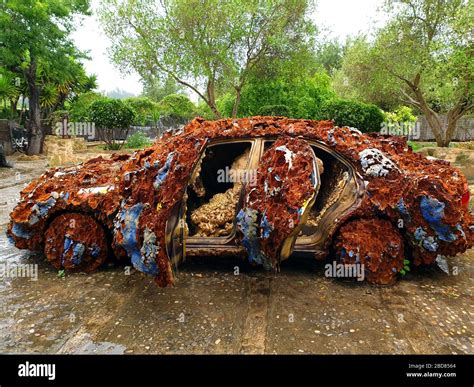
[
  {"x": 375, "y": 245},
  {"x": 75, "y": 242}
]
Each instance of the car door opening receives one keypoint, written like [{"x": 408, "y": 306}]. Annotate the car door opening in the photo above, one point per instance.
[{"x": 214, "y": 189}]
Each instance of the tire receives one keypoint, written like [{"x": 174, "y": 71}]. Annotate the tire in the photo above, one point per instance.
[
  {"x": 76, "y": 242},
  {"x": 376, "y": 244}
]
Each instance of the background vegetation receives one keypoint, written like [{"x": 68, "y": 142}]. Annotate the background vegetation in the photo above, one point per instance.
[{"x": 239, "y": 58}]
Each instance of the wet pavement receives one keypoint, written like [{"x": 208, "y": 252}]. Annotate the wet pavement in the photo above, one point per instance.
[{"x": 215, "y": 308}]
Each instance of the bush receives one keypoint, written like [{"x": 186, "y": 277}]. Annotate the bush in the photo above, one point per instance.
[
  {"x": 401, "y": 114},
  {"x": 304, "y": 96},
  {"x": 112, "y": 118},
  {"x": 177, "y": 105},
  {"x": 79, "y": 107},
  {"x": 275, "y": 110},
  {"x": 145, "y": 108},
  {"x": 365, "y": 117},
  {"x": 137, "y": 140}
]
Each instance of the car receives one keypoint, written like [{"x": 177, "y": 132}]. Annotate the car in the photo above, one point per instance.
[{"x": 265, "y": 188}]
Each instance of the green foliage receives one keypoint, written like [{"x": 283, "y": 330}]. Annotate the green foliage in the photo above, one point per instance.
[
  {"x": 156, "y": 89},
  {"x": 203, "y": 110},
  {"x": 303, "y": 95},
  {"x": 329, "y": 55},
  {"x": 57, "y": 116},
  {"x": 211, "y": 42},
  {"x": 365, "y": 117},
  {"x": 422, "y": 56},
  {"x": 177, "y": 105},
  {"x": 145, "y": 110},
  {"x": 8, "y": 88},
  {"x": 406, "y": 267},
  {"x": 360, "y": 78},
  {"x": 79, "y": 107},
  {"x": 274, "y": 110},
  {"x": 137, "y": 140},
  {"x": 111, "y": 113},
  {"x": 401, "y": 114}
]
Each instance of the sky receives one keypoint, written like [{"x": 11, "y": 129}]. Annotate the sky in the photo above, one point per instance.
[{"x": 335, "y": 18}]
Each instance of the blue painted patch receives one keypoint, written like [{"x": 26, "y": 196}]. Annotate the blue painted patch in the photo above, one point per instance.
[
  {"x": 64, "y": 196},
  {"x": 78, "y": 250},
  {"x": 148, "y": 252},
  {"x": 78, "y": 253},
  {"x": 20, "y": 232},
  {"x": 246, "y": 221},
  {"x": 265, "y": 226},
  {"x": 163, "y": 172},
  {"x": 94, "y": 251},
  {"x": 428, "y": 242},
  {"x": 433, "y": 212},
  {"x": 402, "y": 208},
  {"x": 460, "y": 229},
  {"x": 42, "y": 208},
  {"x": 128, "y": 224}
]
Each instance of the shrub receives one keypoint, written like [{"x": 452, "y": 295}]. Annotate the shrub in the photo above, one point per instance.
[
  {"x": 112, "y": 118},
  {"x": 401, "y": 114},
  {"x": 275, "y": 110},
  {"x": 365, "y": 117},
  {"x": 79, "y": 107},
  {"x": 177, "y": 105},
  {"x": 145, "y": 108},
  {"x": 137, "y": 140}
]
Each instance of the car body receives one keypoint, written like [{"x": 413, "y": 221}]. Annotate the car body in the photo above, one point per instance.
[{"x": 262, "y": 187}]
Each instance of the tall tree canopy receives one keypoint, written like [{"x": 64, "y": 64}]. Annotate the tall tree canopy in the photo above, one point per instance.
[
  {"x": 424, "y": 55},
  {"x": 204, "y": 45},
  {"x": 35, "y": 45}
]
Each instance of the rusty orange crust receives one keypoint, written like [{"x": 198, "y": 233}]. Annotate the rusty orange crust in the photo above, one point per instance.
[{"x": 133, "y": 197}]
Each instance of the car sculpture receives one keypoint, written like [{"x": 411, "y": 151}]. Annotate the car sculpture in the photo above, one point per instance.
[{"x": 265, "y": 188}]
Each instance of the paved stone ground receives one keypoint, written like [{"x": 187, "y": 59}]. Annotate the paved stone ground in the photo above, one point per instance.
[{"x": 212, "y": 310}]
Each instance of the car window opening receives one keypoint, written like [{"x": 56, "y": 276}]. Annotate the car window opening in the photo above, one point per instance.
[
  {"x": 333, "y": 180},
  {"x": 334, "y": 176},
  {"x": 214, "y": 190}
]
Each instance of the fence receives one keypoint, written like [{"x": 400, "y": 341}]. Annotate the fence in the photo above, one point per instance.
[{"x": 464, "y": 128}]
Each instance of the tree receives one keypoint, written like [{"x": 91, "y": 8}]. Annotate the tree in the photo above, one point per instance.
[
  {"x": 112, "y": 118},
  {"x": 329, "y": 54},
  {"x": 177, "y": 105},
  {"x": 304, "y": 93},
  {"x": 358, "y": 79},
  {"x": 425, "y": 54},
  {"x": 203, "y": 45},
  {"x": 144, "y": 108},
  {"x": 157, "y": 89},
  {"x": 35, "y": 34}
]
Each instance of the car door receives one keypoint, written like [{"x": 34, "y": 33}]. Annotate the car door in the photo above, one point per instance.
[
  {"x": 276, "y": 207},
  {"x": 205, "y": 220}
]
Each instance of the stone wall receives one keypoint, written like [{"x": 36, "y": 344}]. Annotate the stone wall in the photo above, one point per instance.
[{"x": 60, "y": 151}]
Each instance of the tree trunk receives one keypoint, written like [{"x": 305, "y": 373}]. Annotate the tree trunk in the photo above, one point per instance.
[
  {"x": 235, "y": 108},
  {"x": 431, "y": 116},
  {"x": 211, "y": 98},
  {"x": 450, "y": 129},
  {"x": 34, "y": 113}
]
